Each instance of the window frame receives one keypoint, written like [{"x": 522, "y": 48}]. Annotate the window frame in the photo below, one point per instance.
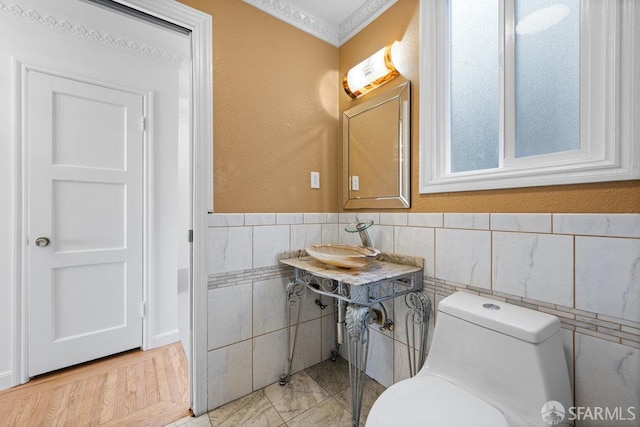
[{"x": 608, "y": 150}]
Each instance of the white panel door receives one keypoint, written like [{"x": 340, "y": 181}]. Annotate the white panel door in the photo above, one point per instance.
[{"x": 85, "y": 164}]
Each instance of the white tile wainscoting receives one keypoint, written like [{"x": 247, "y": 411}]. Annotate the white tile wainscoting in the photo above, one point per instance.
[{"x": 583, "y": 268}]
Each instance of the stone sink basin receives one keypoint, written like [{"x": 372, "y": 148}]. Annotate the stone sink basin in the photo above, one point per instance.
[{"x": 345, "y": 256}]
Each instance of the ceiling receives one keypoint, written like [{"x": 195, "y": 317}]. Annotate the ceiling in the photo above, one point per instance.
[{"x": 334, "y": 21}]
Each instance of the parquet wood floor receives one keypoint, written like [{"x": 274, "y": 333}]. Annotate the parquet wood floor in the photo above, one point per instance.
[{"x": 135, "y": 388}]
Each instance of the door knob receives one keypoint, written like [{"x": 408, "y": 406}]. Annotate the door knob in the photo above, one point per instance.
[{"x": 41, "y": 242}]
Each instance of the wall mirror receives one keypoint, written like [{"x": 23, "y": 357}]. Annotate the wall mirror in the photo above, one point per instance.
[{"x": 376, "y": 141}]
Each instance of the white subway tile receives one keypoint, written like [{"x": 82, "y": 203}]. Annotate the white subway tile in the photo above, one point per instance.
[
  {"x": 532, "y": 223},
  {"x": 347, "y": 238},
  {"x": 567, "y": 344},
  {"x": 308, "y": 345},
  {"x": 619, "y": 320},
  {"x": 229, "y": 374},
  {"x": 630, "y": 330},
  {"x": 381, "y": 237},
  {"x": 269, "y": 313},
  {"x": 330, "y": 233},
  {"x": 230, "y": 317},
  {"x": 350, "y": 217},
  {"x": 269, "y": 355},
  {"x": 417, "y": 241},
  {"x": 477, "y": 221},
  {"x": 289, "y": 218},
  {"x": 393, "y": 219},
  {"x": 305, "y": 235},
  {"x": 229, "y": 249},
  {"x": 631, "y": 344},
  {"x": 400, "y": 362},
  {"x": 225, "y": 220},
  {"x": 464, "y": 256},
  {"x": 380, "y": 363},
  {"x": 610, "y": 225},
  {"x": 537, "y": 266},
  {"x": 607, "y": 272},
  {"x": 268, "y": 242},
  {"x": 328, "y": 325},
  {"x": 425, "y": 219},
  {"x": 607, "y": 375},
  {"x": 260, "y": 219},
  {"x": 315, "y": 218},
  {"x": 310, "y": 310}
]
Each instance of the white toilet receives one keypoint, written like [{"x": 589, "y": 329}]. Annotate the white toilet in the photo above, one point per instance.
[{"x": 490, "y": 364}]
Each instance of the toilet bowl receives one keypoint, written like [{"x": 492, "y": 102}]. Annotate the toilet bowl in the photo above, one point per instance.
[{"x": 490, "y": 364}]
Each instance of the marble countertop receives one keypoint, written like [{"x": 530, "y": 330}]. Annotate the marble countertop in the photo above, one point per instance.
[{"x": 375, "y": 271}]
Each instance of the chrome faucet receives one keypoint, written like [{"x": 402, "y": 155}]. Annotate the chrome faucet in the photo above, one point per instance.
[{"x": 361, "y": 228}]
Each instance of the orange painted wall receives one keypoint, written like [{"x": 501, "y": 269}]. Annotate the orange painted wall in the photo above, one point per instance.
[
  {"x": 277, "y": 107},
  {"x": 275, "y": 112}
]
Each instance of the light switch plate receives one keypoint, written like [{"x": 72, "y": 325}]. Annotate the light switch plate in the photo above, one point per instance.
[
  {"x": 315, "y": 179},
  {"x": 355, "y": 183}
]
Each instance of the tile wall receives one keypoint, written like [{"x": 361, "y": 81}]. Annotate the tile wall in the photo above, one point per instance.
[
  {"x": 583, "y": 268},
  {"x": 247, "y": 336}
]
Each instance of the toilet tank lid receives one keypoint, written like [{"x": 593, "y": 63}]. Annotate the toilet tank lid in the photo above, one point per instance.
[{"x": 519, "y": 322}]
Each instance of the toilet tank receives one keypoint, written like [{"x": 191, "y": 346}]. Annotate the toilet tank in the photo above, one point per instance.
[{"x": 509, "y": 356}]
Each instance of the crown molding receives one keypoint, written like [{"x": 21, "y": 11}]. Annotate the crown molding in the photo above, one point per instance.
[
  {"x": 362, "y": 17},
  {"x": 297, "y": 17},
  {"x": 92, "y": 35},
  {"x": 335, "y": 35}
]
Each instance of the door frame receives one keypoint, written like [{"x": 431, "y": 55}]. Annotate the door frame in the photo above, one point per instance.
[
  {"x": 201, "y": 143},
  {"x": 201, "y": 28}
]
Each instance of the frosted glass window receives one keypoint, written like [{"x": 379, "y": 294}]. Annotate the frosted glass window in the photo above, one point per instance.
[
  {"x": 474, "y": 84},
  {"x": 527, "y": 93},
  {"x": 547, "y": 76}
]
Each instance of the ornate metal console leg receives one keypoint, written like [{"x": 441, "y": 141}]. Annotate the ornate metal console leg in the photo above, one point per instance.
[
  {"x": 417, "y": 326},
  {"x": 357, "y": 319},
  {"x": 296, "y": 292}
]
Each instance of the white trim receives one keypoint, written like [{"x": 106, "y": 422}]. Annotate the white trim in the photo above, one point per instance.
[
  {"x": 93, "y": 35},
  {"x": 609, "y": 150},
  {"x": 165, "y": 338},
  {"x": 366, "y": 14},
  {"x": 148, "y": 215},
  {"x": 200, "y": 25},
  {"x": 6, "y": 379},
  {"x": 302, "y": 20},
  {"x": 202, "y": 155},
  {"x": 335, "y": 35},
  {"x": 20, "y": 371}
]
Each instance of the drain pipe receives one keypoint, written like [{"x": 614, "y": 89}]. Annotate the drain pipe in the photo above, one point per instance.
[
  {"x": 340, "y": 331},
  {"x": 382, "y": 318}
]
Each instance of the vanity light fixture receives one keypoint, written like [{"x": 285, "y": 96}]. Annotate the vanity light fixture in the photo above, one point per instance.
[{"x": 371, "y": 73}]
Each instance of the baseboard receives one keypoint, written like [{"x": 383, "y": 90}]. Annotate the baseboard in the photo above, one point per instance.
[
  {"x": 6, "y": 380},
  {"x": 165, "y": 338}
]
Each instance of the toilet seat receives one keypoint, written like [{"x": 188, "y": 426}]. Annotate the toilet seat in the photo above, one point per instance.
[{"x": 432, "y": 401}]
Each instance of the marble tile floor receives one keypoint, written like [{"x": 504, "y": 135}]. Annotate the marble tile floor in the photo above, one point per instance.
[{"x": 318, "y": 396}]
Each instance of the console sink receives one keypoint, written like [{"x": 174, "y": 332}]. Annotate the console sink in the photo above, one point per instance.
[{"x": 345, "y": 256}]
